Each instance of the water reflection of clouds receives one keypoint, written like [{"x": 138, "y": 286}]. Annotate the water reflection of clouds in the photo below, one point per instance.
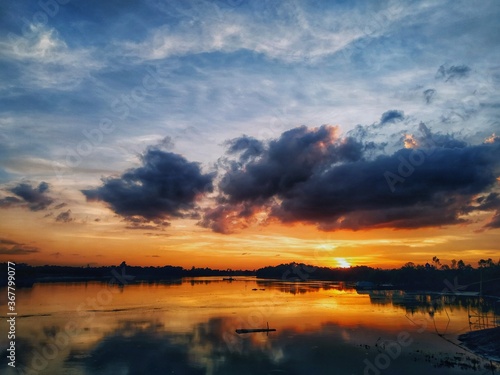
[
  {"x": 146, "y": 349},
  {"x": 146, "y": 346},
  {"x": 159, "y": 329}
]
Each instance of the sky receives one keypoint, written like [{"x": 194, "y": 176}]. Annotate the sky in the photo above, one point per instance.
[{"x": 239, "y": 134}]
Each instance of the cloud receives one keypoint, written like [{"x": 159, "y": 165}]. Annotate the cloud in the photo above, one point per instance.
[
  {"x": 64, "y": 217},
  {"x": 10, "y": 247},
  {"x": 141, "y": 223},
  {"x": 315, "y": 176},
  {"x": 490, "y": 202},
  {"x": 5, "y": 241},
  {"x": 8, "y": 202},
  {"x": 34, "y": 198},
  {"x": 453, "y": 72},
  {"x": 229, "y": 218},
  {"x": 429, "y": 95},
  {"x": 392, "y": 116},
  {"x": 248, "y": 146},
  {"x": 495, "y": 221},
  {"x": 289, "y": 160},
  {"x": 492, "y": 138},
  {"x": 165, "y": 186},
  {"x": 166, "y": 144},
  {"x": 276, "y": 30},
  {"x": 45, "y": 61}
]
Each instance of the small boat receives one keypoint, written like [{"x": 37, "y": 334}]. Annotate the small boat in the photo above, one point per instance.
[
  {"x": 227, "y": 278},
  {"x": 267, "y": 330}
]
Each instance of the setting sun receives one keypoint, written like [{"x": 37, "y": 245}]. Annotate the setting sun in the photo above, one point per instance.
[{"x": 341, "y": 262}]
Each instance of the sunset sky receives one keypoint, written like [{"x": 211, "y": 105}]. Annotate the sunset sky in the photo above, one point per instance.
[{"x": 240, "y": 134}]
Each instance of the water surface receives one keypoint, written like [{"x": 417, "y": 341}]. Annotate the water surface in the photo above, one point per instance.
[{"x": 189, "y": 327}]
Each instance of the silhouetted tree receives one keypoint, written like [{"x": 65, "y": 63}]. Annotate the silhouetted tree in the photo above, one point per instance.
[
  {"x": 453, "y": 264},
  {"x": 486, "y": 263}
]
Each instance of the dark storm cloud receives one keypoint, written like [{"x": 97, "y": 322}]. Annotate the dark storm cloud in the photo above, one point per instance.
[
  {"x": 426, "y": 139},
  {"x": 287, "y": 161},
  {"x": 356, "y": 195},
  {"x": 310, "y": 175},
  {"x": 489, "y": 202},
  {"x": 248, "y": 146},
  {"x": 166, "y": 185},
  {"x": 35, "y": 198},
  {"x": 452, "y": 72},
  {"x": 392, "y": 116}
]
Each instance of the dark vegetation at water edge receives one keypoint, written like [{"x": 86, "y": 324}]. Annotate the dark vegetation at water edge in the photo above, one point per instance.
[
  {"x": 27, "y": 275},
  {"x": 485, "y": 342},
  {"x": 455, "y": 278}
]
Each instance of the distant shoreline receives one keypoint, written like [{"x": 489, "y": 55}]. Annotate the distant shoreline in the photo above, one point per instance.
[{"x": 458, "y": 281}]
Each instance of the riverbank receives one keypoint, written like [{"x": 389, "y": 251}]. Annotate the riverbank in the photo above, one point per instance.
[{"x": 485, "y": 343}]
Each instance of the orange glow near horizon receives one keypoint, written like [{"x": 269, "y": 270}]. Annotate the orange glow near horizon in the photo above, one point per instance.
[{"x": 185, "y": 244}]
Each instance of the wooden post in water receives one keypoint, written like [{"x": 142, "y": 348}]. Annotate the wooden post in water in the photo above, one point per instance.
[{"x": 481, "y": 282}]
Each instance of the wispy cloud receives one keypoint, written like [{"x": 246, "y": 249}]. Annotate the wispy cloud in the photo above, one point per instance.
[
  {"x": 9, "y": 247},
  {"x": 256, "y": 28},
  {"x": 46, "y": 61}
]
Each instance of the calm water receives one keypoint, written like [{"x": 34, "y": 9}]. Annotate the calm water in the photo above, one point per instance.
[{"x": 189, "y": 328}]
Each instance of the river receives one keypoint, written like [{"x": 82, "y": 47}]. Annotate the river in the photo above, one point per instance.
[{"x": 188, "y": 327}]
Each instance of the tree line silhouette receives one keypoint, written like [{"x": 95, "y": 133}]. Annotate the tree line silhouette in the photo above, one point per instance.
[
  {"x": 456, "y": 276},
  {"x": 27, "y": 275}
]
